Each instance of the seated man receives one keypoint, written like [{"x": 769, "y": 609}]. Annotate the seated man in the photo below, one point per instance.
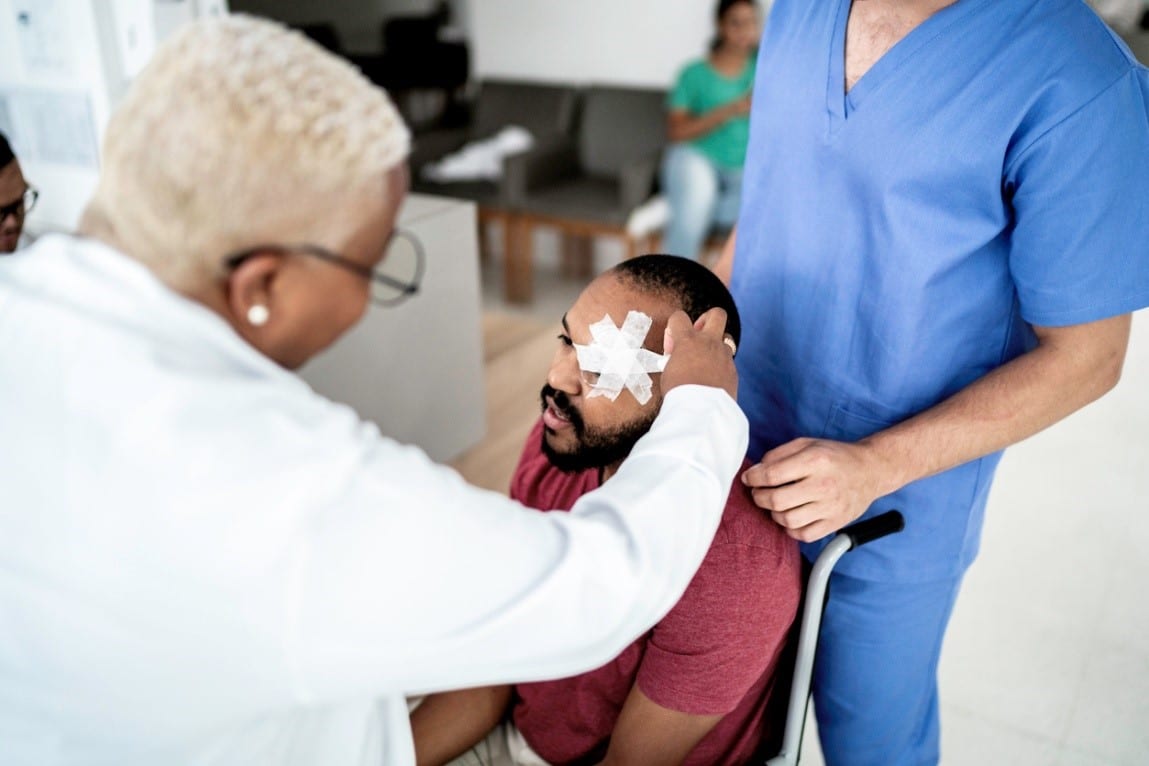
[{"x": 696, "y": 688}]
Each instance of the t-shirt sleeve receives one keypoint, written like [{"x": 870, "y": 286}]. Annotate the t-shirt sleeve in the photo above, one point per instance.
[
  {"x": 682, "y": 95},
  {"x": 1079, "y": 248},
  {"x": 718, "y": 640}
]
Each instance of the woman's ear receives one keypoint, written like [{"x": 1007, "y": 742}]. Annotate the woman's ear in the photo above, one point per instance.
[{"x": 250, "y": 291}]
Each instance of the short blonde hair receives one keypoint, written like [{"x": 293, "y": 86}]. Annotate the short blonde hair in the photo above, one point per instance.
[{"x": 234, "y": 127}]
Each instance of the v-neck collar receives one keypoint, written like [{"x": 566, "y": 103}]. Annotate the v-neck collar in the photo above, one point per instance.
[
  {"x": 841, "y": 104},
  {"x": 740, "y": 74}
]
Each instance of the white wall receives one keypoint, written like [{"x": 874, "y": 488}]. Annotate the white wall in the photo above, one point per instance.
[
  {"x": 76, "y": 72},
  {"x": 64, "y": 64},
  {"x": 633, "y": 42},
  {"x": 636, "y": 42}
]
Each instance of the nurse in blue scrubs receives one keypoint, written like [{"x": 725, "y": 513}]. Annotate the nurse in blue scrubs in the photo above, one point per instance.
[{"x": 944, "y": 231}]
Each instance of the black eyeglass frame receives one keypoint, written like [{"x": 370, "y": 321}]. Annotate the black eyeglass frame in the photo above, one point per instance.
[
  {"x": 406, "y": 289},
  {"x": 23, "y": 205}
]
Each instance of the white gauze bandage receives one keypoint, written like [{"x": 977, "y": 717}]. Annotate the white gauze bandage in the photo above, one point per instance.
[{"x": 616, "y": 355}]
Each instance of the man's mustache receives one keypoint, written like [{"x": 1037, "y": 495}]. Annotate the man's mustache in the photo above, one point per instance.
[{"x": 561, "y": 402}]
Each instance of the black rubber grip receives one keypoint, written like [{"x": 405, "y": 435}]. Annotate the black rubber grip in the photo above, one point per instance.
[{"x": 871, "y": 529}]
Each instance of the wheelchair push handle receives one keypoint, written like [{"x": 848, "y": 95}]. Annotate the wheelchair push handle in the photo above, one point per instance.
[
  {"x": 873, "y": 529},
  {"x": 846, "y": 540}
]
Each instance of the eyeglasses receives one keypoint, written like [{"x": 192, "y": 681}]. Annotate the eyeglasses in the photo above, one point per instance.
[
  {"x": 21, "y": 206},
  {"x": 394, "y": 280}
]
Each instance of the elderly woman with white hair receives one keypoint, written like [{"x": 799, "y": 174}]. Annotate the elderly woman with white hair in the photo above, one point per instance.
[{"x": 203, "y": 561}]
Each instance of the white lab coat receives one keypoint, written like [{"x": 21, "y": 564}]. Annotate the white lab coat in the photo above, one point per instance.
[{"x": 202, "y": 561}]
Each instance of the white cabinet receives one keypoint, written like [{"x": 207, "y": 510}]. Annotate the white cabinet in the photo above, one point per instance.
[{"x": 417, "y": 369}]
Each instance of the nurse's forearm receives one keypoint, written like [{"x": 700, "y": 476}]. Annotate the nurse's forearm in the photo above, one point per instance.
[{"x": 1071, "y": 367}]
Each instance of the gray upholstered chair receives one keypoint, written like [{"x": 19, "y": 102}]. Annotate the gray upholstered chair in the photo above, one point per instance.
[
  {"x": 588, "y": 186},
  {"x": 546, "y": 110}
]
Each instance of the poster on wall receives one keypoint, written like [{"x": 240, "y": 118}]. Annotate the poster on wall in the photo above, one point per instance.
[
  {"x": 44, "y": 38},
  {"x": 47, "y": 125}
]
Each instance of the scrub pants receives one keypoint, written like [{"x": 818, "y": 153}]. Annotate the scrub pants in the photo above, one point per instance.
[
  {"x": 875, "y": 676},
  {"x": 701, "y": 194}
]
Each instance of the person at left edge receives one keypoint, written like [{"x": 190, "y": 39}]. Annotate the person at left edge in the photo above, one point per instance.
[
  {"x": 17, "y": 198},
  {"x": 204, "y": 562}
]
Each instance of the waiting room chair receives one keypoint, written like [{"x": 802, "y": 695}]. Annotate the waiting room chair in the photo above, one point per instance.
[
  {"x": 546, "y": 110},
  {"x": 588, "y": 186}
]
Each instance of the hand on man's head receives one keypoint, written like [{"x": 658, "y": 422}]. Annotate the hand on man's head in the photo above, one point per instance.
[{"x": 698, "y": 353}]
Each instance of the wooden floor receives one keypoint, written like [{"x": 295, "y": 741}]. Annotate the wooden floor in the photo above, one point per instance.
[{"x": 517, "y": 352}]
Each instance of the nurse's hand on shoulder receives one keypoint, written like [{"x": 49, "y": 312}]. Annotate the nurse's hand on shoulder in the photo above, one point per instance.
[
  {"x": 814, "y": 487},
  {"x": 697, "y": 352}
]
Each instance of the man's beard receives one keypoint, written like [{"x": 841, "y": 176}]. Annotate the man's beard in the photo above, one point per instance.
[{"x": 595, "y": 448}]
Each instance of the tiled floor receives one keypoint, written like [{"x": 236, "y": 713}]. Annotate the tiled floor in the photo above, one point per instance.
[{"x": 1047, "y": 658}]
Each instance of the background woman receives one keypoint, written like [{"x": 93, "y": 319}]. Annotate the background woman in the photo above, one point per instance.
[{"x": 708, "y": 125}]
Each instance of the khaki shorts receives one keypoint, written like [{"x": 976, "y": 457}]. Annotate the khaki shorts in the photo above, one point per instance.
[{"x": 504, "y": 746}]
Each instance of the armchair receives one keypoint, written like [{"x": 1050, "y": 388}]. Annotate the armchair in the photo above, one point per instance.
[
  {"x": 546, "y": 110},
  {"x": 587, "y": 186}
]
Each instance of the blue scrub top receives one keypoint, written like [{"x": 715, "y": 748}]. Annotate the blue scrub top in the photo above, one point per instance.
[{"x": 991, "y": 171}]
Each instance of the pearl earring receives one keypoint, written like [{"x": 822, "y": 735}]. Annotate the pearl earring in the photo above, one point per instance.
[{"x": 258, "y": 315}]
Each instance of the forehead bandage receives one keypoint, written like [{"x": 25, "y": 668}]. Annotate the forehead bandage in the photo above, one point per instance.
[{"x": 617, "y": 356}]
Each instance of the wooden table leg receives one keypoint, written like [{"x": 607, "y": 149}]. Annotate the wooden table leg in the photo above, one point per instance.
[
  {"x": 484, "y": 230},
  {"x": 631, "y": 247},
  {"x": 518, "y": 260},
  {"x": 577, "y": 256}
]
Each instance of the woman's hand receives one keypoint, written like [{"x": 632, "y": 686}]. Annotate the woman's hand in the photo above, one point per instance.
[{"x": 698, "y": 353}]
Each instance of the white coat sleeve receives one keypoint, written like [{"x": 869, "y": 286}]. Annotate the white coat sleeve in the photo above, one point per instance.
[{"x": 418, "y": 582}]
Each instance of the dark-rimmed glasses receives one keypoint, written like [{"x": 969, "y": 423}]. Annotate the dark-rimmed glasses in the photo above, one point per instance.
[
  {"x": 21, "y": 206},
  {"x": 394, "y": 280}
]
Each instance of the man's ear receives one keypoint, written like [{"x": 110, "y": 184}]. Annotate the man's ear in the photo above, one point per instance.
[{"x": 250, "y": 290}]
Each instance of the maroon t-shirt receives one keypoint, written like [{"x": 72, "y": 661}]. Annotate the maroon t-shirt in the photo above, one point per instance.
[{"x": 714, "y": 653}]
